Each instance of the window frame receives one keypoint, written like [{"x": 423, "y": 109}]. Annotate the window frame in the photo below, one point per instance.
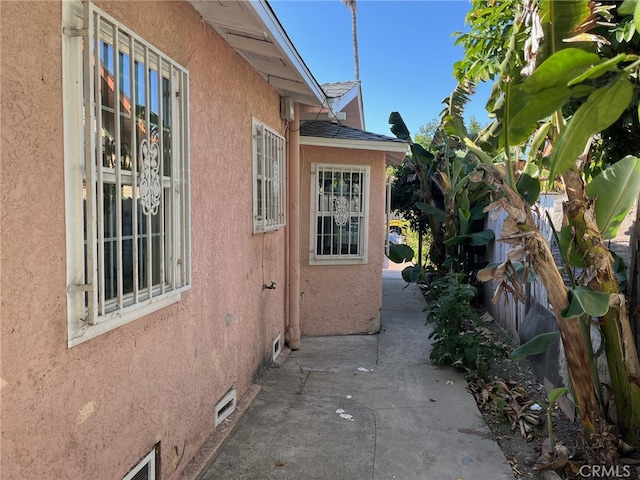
[
  {"x": 90, "y": 313},
  {"x": 317, "y": 210},
  {"x": 269, "y": 151}
]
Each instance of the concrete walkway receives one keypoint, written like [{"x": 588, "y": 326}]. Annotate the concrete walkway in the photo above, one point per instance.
[{"x": 364, "y": 407}]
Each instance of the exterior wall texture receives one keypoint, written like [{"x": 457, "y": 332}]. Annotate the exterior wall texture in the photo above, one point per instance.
[
  {"x": 343, "y": 299},
  {"x": 94, "y": 410}
]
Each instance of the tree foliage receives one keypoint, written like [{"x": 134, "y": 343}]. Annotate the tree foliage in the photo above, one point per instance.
[
  {"x": 566, "y": 84},
  {"x": 485, "y": 44}
]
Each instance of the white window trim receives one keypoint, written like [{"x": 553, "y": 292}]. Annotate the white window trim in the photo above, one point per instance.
[
  {"x": 314, "y": 258},
  {"x": 263, "y": 201},
  {"x": 74, "y": 15}
]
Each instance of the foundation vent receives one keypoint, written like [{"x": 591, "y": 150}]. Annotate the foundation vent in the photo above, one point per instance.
[
  {"x": 224, "y": 407},
  {"x": 145, "y": 470},
  {"x": 277, "y": 347}
]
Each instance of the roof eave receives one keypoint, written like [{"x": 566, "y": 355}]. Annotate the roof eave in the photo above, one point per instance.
[
  {"x": 376, "y": 145},
  {"x": 264, "y": 11},
  {"x": 253, "y": 19},
  {"x": 339, "y": 102}
]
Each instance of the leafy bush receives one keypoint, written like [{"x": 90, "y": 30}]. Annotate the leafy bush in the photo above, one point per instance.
[{"x": 457, "y": 333}]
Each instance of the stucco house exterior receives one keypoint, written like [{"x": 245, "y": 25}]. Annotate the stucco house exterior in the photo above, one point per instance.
[{"x": 180, "y": 200}]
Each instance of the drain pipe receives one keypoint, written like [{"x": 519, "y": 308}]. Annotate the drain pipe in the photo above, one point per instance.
[{"x": 293, "y": 333}]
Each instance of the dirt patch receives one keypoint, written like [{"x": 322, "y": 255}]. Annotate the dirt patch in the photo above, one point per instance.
[{"x": 513, "y": 403}]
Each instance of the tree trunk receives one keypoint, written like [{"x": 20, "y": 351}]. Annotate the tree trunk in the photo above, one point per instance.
[
  {"x": 520, "y": 229},
  {"x": 354, "y": 32},
  {"x": 622, "y": 357}
]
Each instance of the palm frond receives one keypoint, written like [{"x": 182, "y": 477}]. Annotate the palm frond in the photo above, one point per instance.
[
  {"x": 458, "y": 100},
  {"x": 351, "y": 4}
]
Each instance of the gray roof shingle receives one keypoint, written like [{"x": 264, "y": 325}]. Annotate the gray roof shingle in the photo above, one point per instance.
[
  {"x": 325, "y": 129},
  {"x": 337, "y": 89}
]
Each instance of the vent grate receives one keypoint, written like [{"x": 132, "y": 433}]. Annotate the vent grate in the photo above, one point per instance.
[
  {"x": 145, "y": 469},
  {"x": 224, "y": 407},
  {"x": 277, "y": 347}
]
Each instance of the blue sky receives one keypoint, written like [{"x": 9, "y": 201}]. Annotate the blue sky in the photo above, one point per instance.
[{"x": 406, "y": 53}]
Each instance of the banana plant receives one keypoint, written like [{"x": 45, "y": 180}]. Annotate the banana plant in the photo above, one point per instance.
[
  {"x": 466, "y": 194},
  {"x": 461, "y": 185},
  {"x": 552, "y": 398},
  {"x": 424, "y": 165},
  {"x": 562, "y": 72}
]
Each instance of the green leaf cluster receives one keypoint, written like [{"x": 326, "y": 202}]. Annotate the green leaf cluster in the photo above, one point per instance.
[
  {"x": 450, "y": 191},
  {"x": 457, "y": 330},
  {"x": 491, "y": 25}
]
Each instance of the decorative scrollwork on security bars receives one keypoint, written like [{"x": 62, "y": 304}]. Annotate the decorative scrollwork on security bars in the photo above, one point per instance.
[
  {"x": 276, "y": 180},
  {"x": 341, "y": 211},
  {"x": 149, "y": 181}
]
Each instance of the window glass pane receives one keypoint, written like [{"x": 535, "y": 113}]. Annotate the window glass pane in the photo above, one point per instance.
[
  {"x": 354, "y": 236},
  {"x": 325, "y": 240},
  {"x": 141, "y": 99},
  {"x": 343, "y": 239},
  {"x": 125, "y": 83},
  {"x": 259, "y": 197},
  {"x": 157, "y": 254},
  {"x": 141, "y": 134},
  {"x": 127, "y": 240},
  {"x": 87, "y": 250},
  {"x": 142, "y": 248},
  {"x": 107, "y": 82},
  {"x": 125, "y": 142},
  {"x": 259, "y": 150},
  {"x": 110, "y": 244},
  {"x": 146, "y": 242},
  {"x": 108, "y": 139},
  {"x": 154, "y": 101},
  {"x": 166, "y": 126},
  {"x": 141, "y": 91},
  {"x": 125, "y": 112},
  {"x": 166, "y": 102},
  {"x": 166, "y": 150}
]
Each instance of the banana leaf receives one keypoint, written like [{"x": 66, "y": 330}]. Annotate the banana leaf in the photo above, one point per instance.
[
  {"x": 602, "y": 109},
  {"x": 615, "y": 190},
  {"x": 583, "y": 300}
]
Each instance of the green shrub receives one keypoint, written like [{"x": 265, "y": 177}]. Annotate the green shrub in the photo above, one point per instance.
[{"x": 457, "y": 331}]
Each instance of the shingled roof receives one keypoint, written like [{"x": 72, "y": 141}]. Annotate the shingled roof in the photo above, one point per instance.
[
  {"x": 325, "y": 129},
  {"x": 338, "y": 89},
  {"x": 331, "y": 134}
]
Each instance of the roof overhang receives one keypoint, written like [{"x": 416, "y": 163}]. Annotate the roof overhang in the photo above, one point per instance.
[
  {"x": 396, "y": 151},
  {"x": 252, "y": 29},
  {"x": 340, "y": 102}
]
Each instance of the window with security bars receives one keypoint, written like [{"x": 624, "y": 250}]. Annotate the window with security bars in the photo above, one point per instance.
[
  {"x": 269, "y": 186},
  {"x": 128, "y": 201},
  {"x": 340, "y": 204}
]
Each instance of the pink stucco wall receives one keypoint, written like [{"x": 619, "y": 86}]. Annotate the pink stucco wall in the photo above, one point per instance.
[
  {"x": 92, "y": 411},
  {"x": 343, "y": 299}
]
